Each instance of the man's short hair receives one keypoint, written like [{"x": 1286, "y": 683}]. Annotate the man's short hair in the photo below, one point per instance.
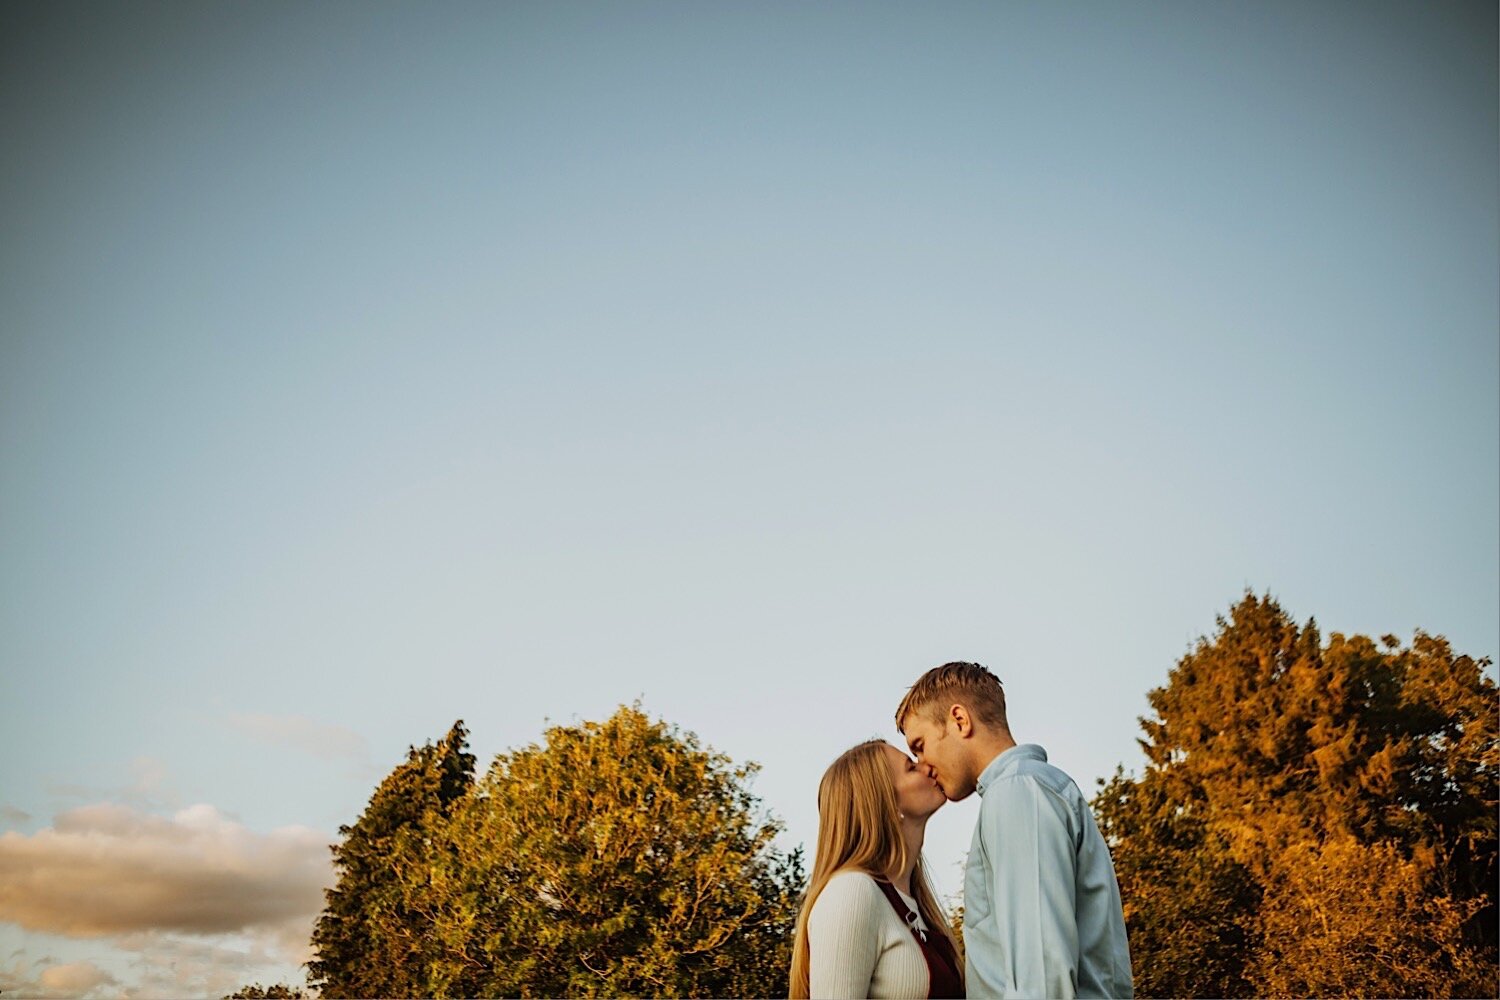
[{"x": 969, "y": 684}]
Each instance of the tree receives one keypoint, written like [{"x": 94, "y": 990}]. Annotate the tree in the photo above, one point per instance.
[
  {"x": 1189, "y": 905},
  {"x": 1277, "y": 770},
  {"x": 280, "y": 991},
  {"x": 1329, "y": 930},
  {"x": 368, "y": 940},
  {"x": 615, "y": 858}
]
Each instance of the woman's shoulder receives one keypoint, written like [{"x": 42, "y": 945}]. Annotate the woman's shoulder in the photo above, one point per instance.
[
  {"x": 854, "y": 876},
  {"x": 850, "y": 887},
  {"x": 851, "y": 903}
]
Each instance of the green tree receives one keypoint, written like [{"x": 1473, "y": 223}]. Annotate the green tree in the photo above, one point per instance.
[
  {"x": 1273, "y": 761},
  {"x": 368, "y": 941},
  {"x": 619, "y": 858},
  {"x": 279, "y": 991}
]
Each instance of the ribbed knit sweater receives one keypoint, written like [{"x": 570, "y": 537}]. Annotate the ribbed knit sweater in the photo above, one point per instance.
[{"x": 858, "y": 946}]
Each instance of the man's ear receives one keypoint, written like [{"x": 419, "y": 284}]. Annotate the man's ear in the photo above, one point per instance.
[{"x": 959, "y": 716}]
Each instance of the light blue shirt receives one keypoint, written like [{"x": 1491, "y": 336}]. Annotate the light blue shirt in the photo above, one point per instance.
[{"x": 1042, "y": 915}]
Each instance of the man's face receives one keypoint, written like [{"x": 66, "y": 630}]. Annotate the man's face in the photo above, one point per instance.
[{"x": 938, "y": 746}]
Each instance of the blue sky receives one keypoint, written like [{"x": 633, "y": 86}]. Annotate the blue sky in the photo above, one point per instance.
[{"x": 363, "y": 368}]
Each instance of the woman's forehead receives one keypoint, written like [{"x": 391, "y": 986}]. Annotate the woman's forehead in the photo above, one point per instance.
[{"x": 896, "y": 753}]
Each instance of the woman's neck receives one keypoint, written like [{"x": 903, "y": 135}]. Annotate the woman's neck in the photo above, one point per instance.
[{"x": 912, "y": 831}]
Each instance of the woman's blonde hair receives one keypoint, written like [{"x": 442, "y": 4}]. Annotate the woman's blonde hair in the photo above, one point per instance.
[{"x": 859, "y": 829}]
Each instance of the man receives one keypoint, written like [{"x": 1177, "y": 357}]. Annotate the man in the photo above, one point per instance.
[{"x": 1042, "y": 915}]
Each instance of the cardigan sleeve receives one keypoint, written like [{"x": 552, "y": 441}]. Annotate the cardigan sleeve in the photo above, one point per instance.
[{"x": 844, "y": 937}]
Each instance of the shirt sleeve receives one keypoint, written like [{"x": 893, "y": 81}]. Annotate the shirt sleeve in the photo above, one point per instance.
[
  {"x": 843, "y": 938},
  {"x": 1028, "y": 840}
]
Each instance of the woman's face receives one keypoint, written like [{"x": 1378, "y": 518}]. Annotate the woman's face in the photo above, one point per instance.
[{"x": 917, "y": 795}]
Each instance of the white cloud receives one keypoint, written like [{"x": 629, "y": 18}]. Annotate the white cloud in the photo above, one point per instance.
[
  {"x": 13, "y": 816},
  {"x": 109, "y": 869},
  {"x": 152, "y": 965},
  {"x": 68, "y": 790},
  {"x": 321, "y": 739},
  {"x": 47, "y": 980},
  {"x": 150, "y": 788},
  {"x": 167, "y": 965},
  {"x": 148, "y": 784},
  {"x": 75, "y": 977}
]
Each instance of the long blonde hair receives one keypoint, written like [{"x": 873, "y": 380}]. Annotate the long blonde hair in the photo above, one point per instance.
[{"x": 859, "y": 829}]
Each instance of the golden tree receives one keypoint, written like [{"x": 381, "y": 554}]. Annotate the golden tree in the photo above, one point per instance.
[
  {"x": 1351, "y": 919},
  {"x": 1273, "y": 760},
  {"x": 368, "y": 942},
  {"x": 619, "y": 858}
]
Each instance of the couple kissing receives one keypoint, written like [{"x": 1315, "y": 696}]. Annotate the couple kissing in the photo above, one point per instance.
[{"x": 1042, "y": 912}]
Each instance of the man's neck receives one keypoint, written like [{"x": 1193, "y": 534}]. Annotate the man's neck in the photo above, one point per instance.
[{"x": 991, "y": 747}]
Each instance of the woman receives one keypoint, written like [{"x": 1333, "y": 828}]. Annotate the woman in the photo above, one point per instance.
[{"x": 870, "y": 926}]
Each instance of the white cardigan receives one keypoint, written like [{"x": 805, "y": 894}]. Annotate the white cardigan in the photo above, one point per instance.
[{"x": 859, "y": 947}]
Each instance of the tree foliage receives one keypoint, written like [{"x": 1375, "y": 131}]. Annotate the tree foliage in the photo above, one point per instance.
[
  {"x": 278, "y": 991},
  {"x": 1189, "y": 905},
  {"x": 369, "y": 941},
  {"x": 1305, "y": 807},
  {"x": 615, "y": 858},
  {"x": 1356, "y": 919}
]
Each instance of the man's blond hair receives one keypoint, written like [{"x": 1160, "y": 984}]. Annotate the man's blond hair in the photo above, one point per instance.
[{"x": 967, "y": 684}]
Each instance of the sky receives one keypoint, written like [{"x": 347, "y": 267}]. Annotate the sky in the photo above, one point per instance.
[{"x": 368, "y": 367}]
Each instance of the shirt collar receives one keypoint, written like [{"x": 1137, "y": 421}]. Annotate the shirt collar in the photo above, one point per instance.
[{"x": 1008, "y": 761}]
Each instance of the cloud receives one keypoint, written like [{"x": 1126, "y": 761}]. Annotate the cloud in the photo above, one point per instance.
[
  {"x": 149, "y": 788},
  {"x": 166, "y": 965},
  {"x": 76, "y": 977},
  {"x": 109, "y": 869},
  {"x": 68, "y": 790},
  {"x": 43, "y": 980},
  {"x": 13, "y": 816},
  {"x": 153, "y": 966},
  {"x": 148, "y": 784},
  {"x": 321, "y": 739}
]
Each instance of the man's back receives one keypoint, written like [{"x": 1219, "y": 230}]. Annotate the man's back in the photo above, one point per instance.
[{"x": 1042, "y": 914}]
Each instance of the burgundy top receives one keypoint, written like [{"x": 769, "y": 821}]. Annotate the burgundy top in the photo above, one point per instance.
[{"x": 944, "y": 980}]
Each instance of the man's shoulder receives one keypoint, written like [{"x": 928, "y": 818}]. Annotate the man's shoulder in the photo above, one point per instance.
[
  {"x": 1011, "y": 793},
  {"x": 1029, "y": 773}
]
